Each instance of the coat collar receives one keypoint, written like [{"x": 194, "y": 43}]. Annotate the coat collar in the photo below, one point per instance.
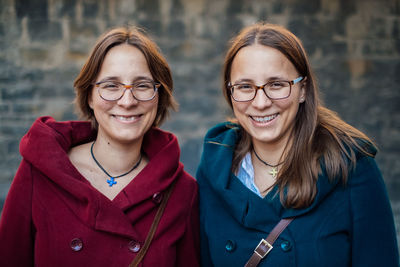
[
  {"x": 46, "y": 146},
  {"x": 244, "y": 205}
]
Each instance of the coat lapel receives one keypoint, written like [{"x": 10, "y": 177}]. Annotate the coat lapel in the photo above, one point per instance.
[{"x": 89, "y": 205}]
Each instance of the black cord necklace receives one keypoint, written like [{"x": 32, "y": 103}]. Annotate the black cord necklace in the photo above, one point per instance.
[
  {"x": 112, "y": 181},
  {"x": 274, "y": 170}
]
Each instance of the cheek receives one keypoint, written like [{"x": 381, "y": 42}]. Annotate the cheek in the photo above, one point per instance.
[
  {"x": 239, "y": 108},
  {"x": 151, "y": 107},
  {"x": 92, "y": 97},
  {"x": 289, "y": 109},
  {"x": 154, "y": 104},
  {"x": 289, "y": 103},
  {"x": 152, "y": 114},
  {"x": 99, "y": 105},
  {"x": 285, "y": 103}
]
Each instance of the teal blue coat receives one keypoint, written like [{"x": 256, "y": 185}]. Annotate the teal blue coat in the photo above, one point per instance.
[{"x": 348, "y": 225}]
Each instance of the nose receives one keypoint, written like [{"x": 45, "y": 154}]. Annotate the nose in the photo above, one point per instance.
[
  {"x": 127, "y": 98},
  {"x": 261, "y": 100}
]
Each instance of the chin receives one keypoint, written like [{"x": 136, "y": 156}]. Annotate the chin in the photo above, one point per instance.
[
  {"x": 265, "y": 137},
  {"x": 127, "y": 136},
  {"x": 128, "y": 139}
]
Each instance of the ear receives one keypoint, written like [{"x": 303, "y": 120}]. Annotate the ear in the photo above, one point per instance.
[{"x": 303, "y": 85}]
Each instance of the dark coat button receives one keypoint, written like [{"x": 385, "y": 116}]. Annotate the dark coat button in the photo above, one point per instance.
[
  {"x": 157, "y": 197},
  {"x": 134, "y": 246},
  {"x": 286, "y": 246},
  {"x": 230, "y": 246},
  {"x": 76, "y": 244}
]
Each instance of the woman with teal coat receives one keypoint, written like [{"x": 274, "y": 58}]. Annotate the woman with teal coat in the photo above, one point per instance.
[{"x": 289, "y": 163}]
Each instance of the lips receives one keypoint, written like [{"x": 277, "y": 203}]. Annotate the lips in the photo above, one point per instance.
[
  {"x": 127, "y": 118},
  {"x": 264, "y": 119}
]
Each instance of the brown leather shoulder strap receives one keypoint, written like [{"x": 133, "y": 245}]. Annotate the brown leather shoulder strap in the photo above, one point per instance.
[
  {"x": 153, "y": 228},
  {"x": 265, "y": 245}
]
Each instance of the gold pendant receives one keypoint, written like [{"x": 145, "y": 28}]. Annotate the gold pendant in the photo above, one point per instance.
[{"x": 274, "y": 172}]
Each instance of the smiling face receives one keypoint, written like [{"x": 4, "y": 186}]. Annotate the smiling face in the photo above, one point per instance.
[
  {"x": 127, "y": 119},
  {"x": 267, "y": 121}
]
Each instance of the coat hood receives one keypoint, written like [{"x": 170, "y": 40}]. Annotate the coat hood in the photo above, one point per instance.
[
  {"x": 46, "y": 147},
  {"x": 243, "y": 204}
]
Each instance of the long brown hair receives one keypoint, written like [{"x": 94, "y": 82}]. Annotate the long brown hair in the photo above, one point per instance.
[
  {"x": 157, "y": 64},
  {"x": 318, "y": 133}
]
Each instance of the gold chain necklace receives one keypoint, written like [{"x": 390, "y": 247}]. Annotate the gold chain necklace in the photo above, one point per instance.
[{"x": 274, "y": 170}]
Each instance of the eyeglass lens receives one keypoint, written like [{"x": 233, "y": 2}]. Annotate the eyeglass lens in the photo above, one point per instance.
[
  {"x": 248, "y": 91},
  {"x": 141, "y": 91}
]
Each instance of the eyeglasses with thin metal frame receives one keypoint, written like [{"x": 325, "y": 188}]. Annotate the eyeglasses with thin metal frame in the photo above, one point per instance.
[
  {"x": 114, "y": 90},
  {"x": 274, "y": 90}
]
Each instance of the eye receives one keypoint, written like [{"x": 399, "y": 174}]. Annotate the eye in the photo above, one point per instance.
[
  {"x": 144, "y": 86},
  {"x": 277, "y": 84},
  {"x": 109, "y": 85},
  {"x": 244, "y": 86}
]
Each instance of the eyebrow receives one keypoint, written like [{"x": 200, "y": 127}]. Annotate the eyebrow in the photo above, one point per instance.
[
  {"x": 273, "y": 78},
  {"x": 109, "y": 78},
  {"x": 243, "y": 81},
  {"x": 142, "y": 78},
  {"x": 117, "y": 79}
]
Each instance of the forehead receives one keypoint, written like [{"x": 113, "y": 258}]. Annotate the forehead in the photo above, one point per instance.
[
  {"x": 124, "y": 52},
  {"x": 125, "y": 60},
  {"x": 261, "y": 62}
]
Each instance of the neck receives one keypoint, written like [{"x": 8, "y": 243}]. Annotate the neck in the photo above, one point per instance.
[
  {"x": 114, "y": 157},
  {"x": 273, "y": 153}
]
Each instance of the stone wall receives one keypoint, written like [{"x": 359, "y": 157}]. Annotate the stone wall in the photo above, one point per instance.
[{"x": 354, "y": 47}]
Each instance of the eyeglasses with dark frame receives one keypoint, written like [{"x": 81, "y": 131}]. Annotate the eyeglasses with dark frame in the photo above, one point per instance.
[
  {"x": 274, "y": 90},
  {"x": 141, "y": 91}
]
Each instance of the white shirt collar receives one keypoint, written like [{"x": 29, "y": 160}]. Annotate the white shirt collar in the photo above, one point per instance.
[{"x": 246, "y": 174}]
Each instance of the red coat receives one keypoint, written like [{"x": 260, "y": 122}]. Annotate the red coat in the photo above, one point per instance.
[{"x": 53, "y": 216}]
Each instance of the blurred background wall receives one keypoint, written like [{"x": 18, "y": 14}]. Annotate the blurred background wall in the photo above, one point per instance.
[{"x": 354, "y": 47}]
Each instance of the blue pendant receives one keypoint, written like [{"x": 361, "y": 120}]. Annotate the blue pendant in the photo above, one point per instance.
[{"x": 111, "y": 181}]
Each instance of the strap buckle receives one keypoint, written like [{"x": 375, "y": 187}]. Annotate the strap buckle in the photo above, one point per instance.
[{"x": 263, "y": 248}]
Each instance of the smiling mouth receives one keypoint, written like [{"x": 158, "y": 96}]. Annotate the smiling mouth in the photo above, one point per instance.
[
  {"x": 264, "y": 119},
  {"x": 127, "y": 118}
]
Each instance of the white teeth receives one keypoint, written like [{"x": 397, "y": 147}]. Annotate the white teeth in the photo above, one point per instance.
[
  {"x": 264, "y": 119},
  {"x": 123, "y": 118}
]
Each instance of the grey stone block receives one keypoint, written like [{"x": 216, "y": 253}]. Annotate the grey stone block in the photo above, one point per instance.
[{"x": 31, "y": 8}]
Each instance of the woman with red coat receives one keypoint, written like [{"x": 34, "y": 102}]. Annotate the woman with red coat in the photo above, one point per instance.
[{"x": 87, "y": 192}]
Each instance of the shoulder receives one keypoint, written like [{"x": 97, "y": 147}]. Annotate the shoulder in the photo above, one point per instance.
[
  {"x": 365, "y": 169},
  {"x": 364, "y": 148},
  {"x": 222, "y": 136},
  {"x": 223, "y": 131},
  {"x": 185, "y": 193},
  {"x": 21, "y": 186},
  {"x": 219, "y": 143},
  {"x": 187, "y": 183},
  {"x": 24, "y": 172},
  {"x": 218, "y": 149},
  {"x": 365, "y": 182}
]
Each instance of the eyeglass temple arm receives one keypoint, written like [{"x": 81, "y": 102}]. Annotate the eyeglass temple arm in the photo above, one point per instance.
[{"x": 297, "y": 80}]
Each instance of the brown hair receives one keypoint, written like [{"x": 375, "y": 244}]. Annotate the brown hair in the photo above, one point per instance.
[
  {"x": 318, "y": 133},
  {"x": 157, "y": 64}
]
